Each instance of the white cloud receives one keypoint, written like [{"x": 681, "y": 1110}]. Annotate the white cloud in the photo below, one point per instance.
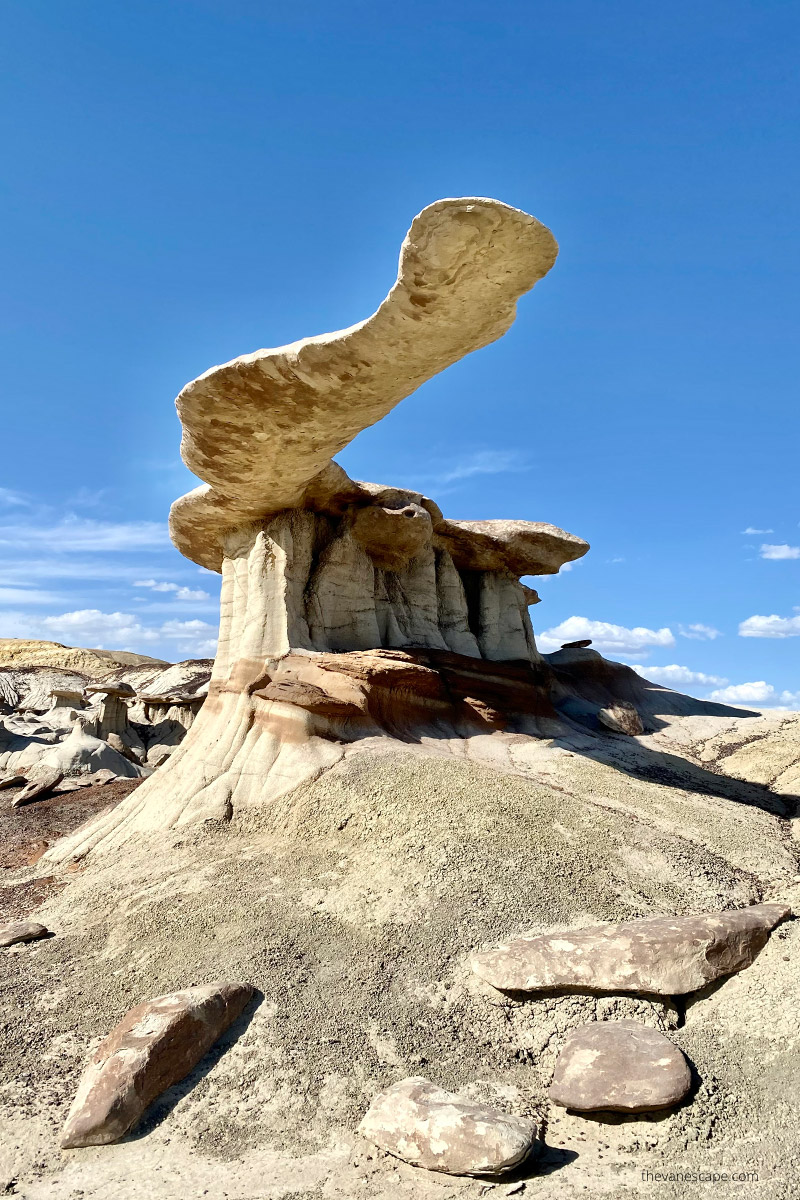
[
  {"x": 779, "y": 552},
  {"x": 447, "y": 476},
  {"x": 750, "y": 531},
  {"x": 13, "y": 499},
  {"x": 770, "y": 627},
  {"x": 181, "y": 593},
  {"x": 674, "y": 675},
  {"x": 24, "y": 571},
  {"x": 93, "y": 628},
  {"x": 87, "y": 497},
  {"x": 700, "y": 633},
  {"x": 84, "y": 534},
  {"x": 614, "y": 639},
  {"x": 761, "y": 693},
  {"x": 485, "y": 462},
  {"x": 23, "y": 595}
]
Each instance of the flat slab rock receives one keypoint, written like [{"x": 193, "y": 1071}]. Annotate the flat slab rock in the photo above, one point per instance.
[
  {"x": 12, "y": 932},
  {"x": 428, "y": 1127},
  {"x": 38, "y": 786},
  {"x": 665, "y": 956},
  {"x": 12, "y": 779},
  {"x": 619, "y": 1066},
  {"x": 154, "y": 1046}
]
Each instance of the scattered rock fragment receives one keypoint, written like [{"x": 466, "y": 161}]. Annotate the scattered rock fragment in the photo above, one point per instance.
[
  {"x": 104, "y": 776},
  {"x": 621, "y": 717},
  {"x": 154, "y": 1046},
  {"x": 667, "y": 956},
  {"x": 41, "y": 784},
  {"x": 12, "y": 779},
  {"x": 12, "y": 932},
  {"x": 73, "y": 784},
  {"x": 619, "y": 1066},
  {"x": 428, "y": 1127}
]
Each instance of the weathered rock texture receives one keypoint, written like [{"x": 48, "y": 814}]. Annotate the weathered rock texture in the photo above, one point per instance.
[
  {"x": 261, "y": 430},
  {"x": 621, "y": 718},
  {"x": 41, "y": 784},
  {"x": 496, "y": 802},
  {"x": 155, "y": 1045},
  {"x": 620, "y": 1066},
  {"x": 12, "y": 932},
  {"x": 667, "y": 956},
  {"x": 25, "y": 652},
  {"x": 351, "y": 903},
  {"x": 428, "y": 1127},
  {"x": 316, "y": 565}
]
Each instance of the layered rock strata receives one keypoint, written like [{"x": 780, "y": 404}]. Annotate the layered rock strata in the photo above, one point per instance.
[{"x": 55, "y": 717}]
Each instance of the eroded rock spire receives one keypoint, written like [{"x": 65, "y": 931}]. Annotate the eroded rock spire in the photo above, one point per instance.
[{"x": 350, "y": 609}]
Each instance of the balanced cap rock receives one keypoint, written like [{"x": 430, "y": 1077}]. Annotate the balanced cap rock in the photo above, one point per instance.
[{"x": 314, "y": 563}]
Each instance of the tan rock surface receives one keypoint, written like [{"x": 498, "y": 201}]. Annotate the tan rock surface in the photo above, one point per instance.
[
  {"x": 619, "y": 1066},
  {"x": 350, "y": 904},
  {"x": 40, "y": 783},
  {"x": 260, "y": 429},
  {"x": 520, "y": 547},
  {"x": 22, "y": 652},
  {"x": 155, "y": 1045},
  {"x": 667, "y": 956},
  {"x": 12, "y": 932},
  {"x": 429, "y": 1127}
]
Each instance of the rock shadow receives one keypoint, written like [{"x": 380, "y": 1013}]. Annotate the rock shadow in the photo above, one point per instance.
[
  {"x": 583, "y": 682},
  {"x": 549, "y": 1160}
]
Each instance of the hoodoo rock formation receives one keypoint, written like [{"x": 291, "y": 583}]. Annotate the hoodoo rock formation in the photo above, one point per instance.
[
  {"x": 523, "y": 919},
  {"x": 336, "y": 590},
  {"x": 56, "y": 717}
]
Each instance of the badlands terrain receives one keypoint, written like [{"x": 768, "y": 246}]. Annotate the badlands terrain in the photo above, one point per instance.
[
  {"x": 354, "y": 904},
  {"x": 384, "y": 904}
]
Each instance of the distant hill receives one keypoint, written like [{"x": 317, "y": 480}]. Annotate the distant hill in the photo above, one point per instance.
[{"x": 22, "y": 652}]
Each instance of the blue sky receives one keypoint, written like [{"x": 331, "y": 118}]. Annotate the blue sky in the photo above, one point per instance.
[{"x": 188, "y": 180}]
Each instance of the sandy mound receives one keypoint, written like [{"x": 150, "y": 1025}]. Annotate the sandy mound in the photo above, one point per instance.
[
  {"x": 352, "y": 905},
  {"x": 21, "y": 652}
]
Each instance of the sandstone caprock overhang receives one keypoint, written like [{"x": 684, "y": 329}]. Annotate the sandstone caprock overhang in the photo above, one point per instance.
[{"x": 261, "y": 430}]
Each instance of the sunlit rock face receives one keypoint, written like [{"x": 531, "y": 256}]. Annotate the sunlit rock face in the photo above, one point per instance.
[
  {"x": 351, "y": 609},
  {"x": 373, "y": 577}
]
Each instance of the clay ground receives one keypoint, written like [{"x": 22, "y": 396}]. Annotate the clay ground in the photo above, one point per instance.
[
  {"x": 27, "y": 832},
  {"x": 353, "y": 905}
]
